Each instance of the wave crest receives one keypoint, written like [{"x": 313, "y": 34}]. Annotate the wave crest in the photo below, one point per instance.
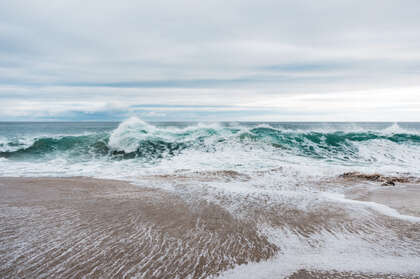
[
  {"x": 135, "y": 138},
  {"x": 129, "y": 134}
]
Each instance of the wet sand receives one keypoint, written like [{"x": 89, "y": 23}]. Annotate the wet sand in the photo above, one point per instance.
[
  {"x": 306, "y": 274},
  {"x": 405, "y": 198},
  {"x": 75, "y": 227}
]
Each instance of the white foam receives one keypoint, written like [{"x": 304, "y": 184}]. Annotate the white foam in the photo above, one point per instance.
[
  {"x": 294, "y": 183},
  {"x": 128, "y": 134},
  {"x": 397, "y": 129},
  {"x": 341, "y": 252},
  {"x": 383, "y": 209}
]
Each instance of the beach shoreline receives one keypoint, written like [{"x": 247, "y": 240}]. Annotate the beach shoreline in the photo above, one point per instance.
[
  {"x": 79, "y": 226},
  {"x": 405, "y": 198},
  {"x": 63, "y": 227}
]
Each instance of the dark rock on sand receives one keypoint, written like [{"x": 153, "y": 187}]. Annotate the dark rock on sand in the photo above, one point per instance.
[{"x": 386, "y": 180}]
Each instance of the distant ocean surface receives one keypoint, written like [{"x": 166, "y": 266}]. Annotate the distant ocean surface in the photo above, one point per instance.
[
  {"x": 290, "y": 179},
  {"x": 134, "y": 147}
]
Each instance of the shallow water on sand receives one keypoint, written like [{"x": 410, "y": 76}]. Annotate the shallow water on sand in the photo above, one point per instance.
[{"x": 260, "y": 200}]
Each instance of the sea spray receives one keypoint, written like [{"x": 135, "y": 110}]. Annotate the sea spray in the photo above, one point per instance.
[{"x": 284, "y": 179}]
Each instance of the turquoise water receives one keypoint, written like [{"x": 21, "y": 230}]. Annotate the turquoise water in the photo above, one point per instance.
[
  {"x": 256, "y": 171},
  {"x": 110, "y": 148},
  {"x": 84, "y": 140}
]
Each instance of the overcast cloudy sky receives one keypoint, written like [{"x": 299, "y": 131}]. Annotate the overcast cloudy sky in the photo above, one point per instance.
[{"x": 327, "y": 60}]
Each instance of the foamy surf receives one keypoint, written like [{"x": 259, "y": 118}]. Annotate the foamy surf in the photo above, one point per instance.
[{"x": 283, "y": 187}]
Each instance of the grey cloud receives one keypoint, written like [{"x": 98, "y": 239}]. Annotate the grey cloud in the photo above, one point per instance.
[{"x": 217, "y": 52}]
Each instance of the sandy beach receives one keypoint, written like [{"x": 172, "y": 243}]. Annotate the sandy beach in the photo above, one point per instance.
[
  {"x": 76, "y": 227},
  {"x": 405, "y": 198},
  {"x": 209, "y": 139}
]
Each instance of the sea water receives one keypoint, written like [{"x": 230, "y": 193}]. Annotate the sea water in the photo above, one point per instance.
[{"x": 284, "y": 175}]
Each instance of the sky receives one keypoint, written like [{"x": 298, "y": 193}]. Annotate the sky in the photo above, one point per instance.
[{"x": 182, "y": 60}]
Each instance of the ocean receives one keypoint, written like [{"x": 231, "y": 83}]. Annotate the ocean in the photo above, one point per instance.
[
  {"x": 304, "y": 186},
  {"x": 133, "y": 147}
]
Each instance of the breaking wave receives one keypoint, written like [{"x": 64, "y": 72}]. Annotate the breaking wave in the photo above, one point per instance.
[
  {"x": 279, "y": 195},
  {"x": 137, "y": 139}
]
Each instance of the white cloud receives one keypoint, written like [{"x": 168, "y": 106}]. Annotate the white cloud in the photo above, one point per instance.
[{"x": 91, "y": 56}]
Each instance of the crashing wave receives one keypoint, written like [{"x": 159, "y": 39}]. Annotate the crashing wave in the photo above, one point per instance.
[{"x": 135, "y": 138}]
